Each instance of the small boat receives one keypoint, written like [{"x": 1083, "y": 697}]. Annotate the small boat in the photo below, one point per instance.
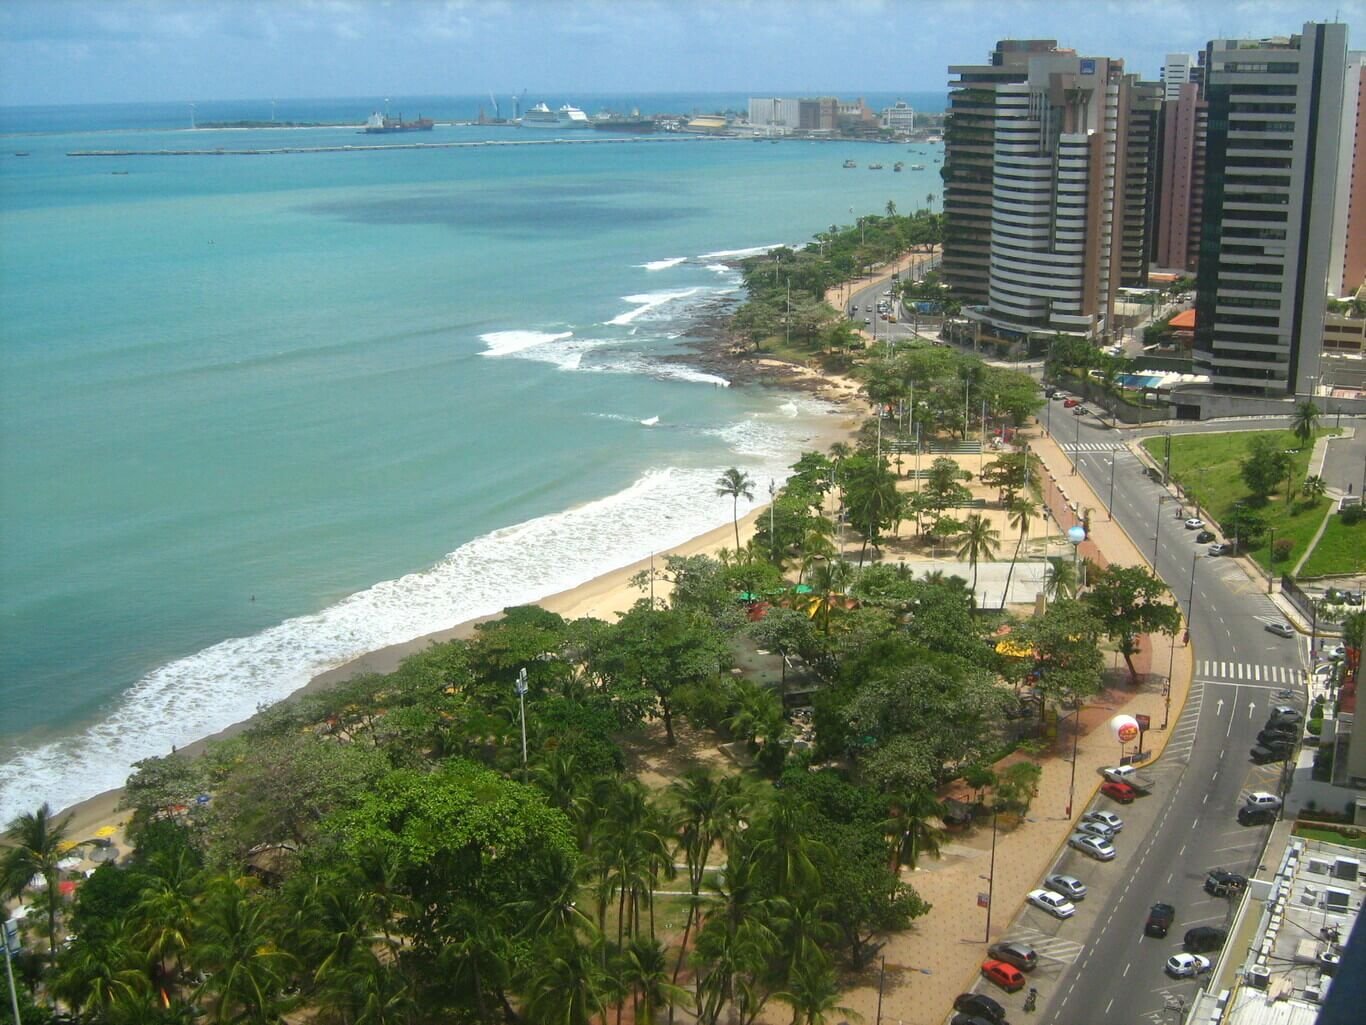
[
  {"x": 875, "y": 167},
  {"x": 917, "y": 167},
  {"x": 850, "y": 163},
  {"x": 898, "y": 166},
  {"x": 22, "y": 154}
]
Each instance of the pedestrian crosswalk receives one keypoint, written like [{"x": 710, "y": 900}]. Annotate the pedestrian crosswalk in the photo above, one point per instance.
[
  {"x": 1049, "y": 948},
  {"x": 1211, "y": 669},
  {"x": 1092, "y": 446}
]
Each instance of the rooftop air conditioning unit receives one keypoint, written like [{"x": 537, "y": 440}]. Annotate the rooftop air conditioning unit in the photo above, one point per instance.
[
  {"x": 1346, "y": 869},
  {"x": 1258, "y": 976}
]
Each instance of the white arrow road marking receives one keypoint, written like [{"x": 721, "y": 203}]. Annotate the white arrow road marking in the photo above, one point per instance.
[
  {"x": 1219, "y": 707},
  {"x": 1251, "y": 707}
]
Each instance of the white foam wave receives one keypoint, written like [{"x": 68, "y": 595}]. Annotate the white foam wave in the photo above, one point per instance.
[
  {"x": 663, "y": 264},
  {"x": 720, "y": 268},
  {"x": 739, "y": 254},
  {"x": 508, "y": 343},
  {"x": 226, "y": 683},
  {"x": 756, "y": 437},
  {"x": 650, "y": 421},
  {"x": 628, "y": 364},
  {"x": 649, "y": 301}
]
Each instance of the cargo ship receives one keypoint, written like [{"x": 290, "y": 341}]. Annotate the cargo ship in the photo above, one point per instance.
[
  {"x": 634, "y": 125},
  {"x": 383, "y": 124}
]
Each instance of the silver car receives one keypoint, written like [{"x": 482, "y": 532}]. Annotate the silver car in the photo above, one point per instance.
[
  {"x": 1091, "y": 846},
  {"x": 1069, "y": 886},
  {"x": 1093, "y": 828},
  {"x": 1105, "y": 818}
]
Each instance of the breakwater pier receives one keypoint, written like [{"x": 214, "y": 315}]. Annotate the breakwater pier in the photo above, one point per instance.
[{"x": 385, "y": 148}]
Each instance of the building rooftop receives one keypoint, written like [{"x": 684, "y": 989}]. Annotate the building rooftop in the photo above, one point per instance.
[{"x": 1285, "y": 943}]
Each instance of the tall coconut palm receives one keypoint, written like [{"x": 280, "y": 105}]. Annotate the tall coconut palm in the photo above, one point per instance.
[
  {"x": 565, "y": 983},
  {"x": 1022, "y": 513},
  {"x": 1305, "y": 421},
  {"x": 978, "y": 539},
  {"x": 1314, "y": 487},
  {"x": 1063, "y": 580},
  {"x": 103, "y": 976},
  {"x": 644, "y": 969},
  {"x": 813, "y": 993},
  {"x": 39, "y": 842},
  {"x": 236, "y": 949},
  {"x": 737, "y": 485},
  {"x": 914, "y": 827},
  {"x": 828, "y": 581}
]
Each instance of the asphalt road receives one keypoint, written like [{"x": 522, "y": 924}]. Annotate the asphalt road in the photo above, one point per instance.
[{"x": 1098, "y": 966}]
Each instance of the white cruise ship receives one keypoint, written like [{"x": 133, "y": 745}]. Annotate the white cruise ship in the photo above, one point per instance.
[
  {"x": 540, "y": 116},
  {"x": 573, "y": 117}
]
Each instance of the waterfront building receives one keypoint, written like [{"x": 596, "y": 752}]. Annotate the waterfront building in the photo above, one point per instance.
[
  {"x": 900, "y": 117},
  {"x": 774, "y": 112},
  {"x": 1275, "y": 110},
  {"x": 1049, "y": 189}
]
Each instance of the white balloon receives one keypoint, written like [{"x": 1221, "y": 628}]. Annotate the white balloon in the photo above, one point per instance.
[{"x": 1124, "y": 728}]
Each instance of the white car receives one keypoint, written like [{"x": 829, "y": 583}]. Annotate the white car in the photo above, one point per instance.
[
  {"x": 1183, "y": 966},
  {"x": 1092, "y": 846},
  {"x": 1194, "y": 523},
  {"x": 1105, "y": 818},
  {"x": 1054, "y": 903},
  {"x": 1261, "y": 799}
]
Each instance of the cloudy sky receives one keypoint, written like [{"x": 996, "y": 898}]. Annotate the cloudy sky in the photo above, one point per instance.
[{"x": 90, "y": 51}]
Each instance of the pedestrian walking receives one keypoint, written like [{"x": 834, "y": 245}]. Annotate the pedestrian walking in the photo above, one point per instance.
[{"x": 1032, "y": 1000}]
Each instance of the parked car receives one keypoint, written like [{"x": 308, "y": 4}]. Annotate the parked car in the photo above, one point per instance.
[
  {"x": 1068, "y": 403},
  {"x": 1054, "y": 903},
  {"x": 1121, "y": 792},
  {"x": 1092, "y": 846},
  {"x": 1220, "y": 883},
  {"x": 1204, "y": 938},
  {"x": 1069, "y": 886},
  {"x": 1273, "y": 735},
  {"x": 1262, "y": 799},
  {"x": 1221, "y": 549},
  {"x": 1007, "y": 976},
  {"x": 1256, "y": 816},
  {"x": 1353, "y": 597},
  {"x": 1195, "y": 523},
  {"x": 1284, "y": 727},
  {"x": 1280, "y": 629},
  {"x": 1080, "y": 411},
  {"x": 1107, "y": 818},
  {"x": 1338, "y": 653},
  {"x": 1099, "y": 829},
  {"x": 1050, "y": 391},
  {"x": 1265, "y": 753},
  {"x": 1204, "y": 537},
  {"x": 1160, "y": 919},
  {"x": 963, "y": 1018},
  {"x": 979, "y": 1005},
  {"x": 1021, "y": 955},
  {"x": 1286, "y": 713},
  {"x": 1060, "y": 396},
  {"x": 1184, "y": 966}
]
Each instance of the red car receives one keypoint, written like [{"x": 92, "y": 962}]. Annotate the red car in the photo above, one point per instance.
[
  {"x": 1121, "y": 792},
  {"x": 1007, "y": 976},
  {"x": 1069, "y": 403}
]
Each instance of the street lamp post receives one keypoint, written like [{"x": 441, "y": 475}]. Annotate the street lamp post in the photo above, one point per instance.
[
  {"x": 1270, "y": 558},
  {"x": 1072, "y": 782},
  {"x": 1110, "y": 505},
  {"x": 520, "y": 687},
  {"x": 991, "y": 872},
  {"x": 772, "y": 543},
  {"x": 1160, "y": 500}
]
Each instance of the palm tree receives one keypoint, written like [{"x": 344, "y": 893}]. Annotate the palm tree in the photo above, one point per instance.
[
  {"x": 914, "y": 829},
  {"x": 235, "y": 947},
  {"x": 1314, "y": 487},
  {"x": 813, "y": 993},
  {"x": 1305, "y": 422},
  {"x": 1062, "y": 580},
  {"x": 979, "y": 538},
  {"x": 645, "y": 970},
  {"x": 39, "y": 843},
  {"x": 891, "y": 208},
  {"x": 565, "y": 982},
  {"x": 736, "y": 484},
  {"x": 103, "y": 976},
  {"x": 1022, "y": 513},
  {"x": 828, "y": 581}
]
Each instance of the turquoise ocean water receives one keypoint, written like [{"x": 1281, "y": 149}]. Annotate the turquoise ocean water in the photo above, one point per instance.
[{"x": 261, "y": 414}]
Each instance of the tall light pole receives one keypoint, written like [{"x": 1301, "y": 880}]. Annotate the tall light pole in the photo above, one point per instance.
[
  {"x": 991, "y": 872},
  {"x": 1072, "y": 783},
  {"x": 1270, "y": 558},
  {"x": 520, "y": 687},
  {"x": 1160, "y": 500},
  {"x": 1110, "y": 506},
  {"x": 10, "y": 940}
]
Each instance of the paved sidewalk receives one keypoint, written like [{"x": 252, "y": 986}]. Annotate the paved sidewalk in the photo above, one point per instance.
[{"x": 939, "y": 957}]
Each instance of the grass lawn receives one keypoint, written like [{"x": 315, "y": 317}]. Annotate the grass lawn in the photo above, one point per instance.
[
  {"x": 1328, "y": 836},
  {"x": 1342, "y": 549},
  {"x": 1207, "y": 467}
]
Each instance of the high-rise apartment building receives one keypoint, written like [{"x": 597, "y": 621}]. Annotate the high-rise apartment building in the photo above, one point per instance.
[
  {"x": 1347, "y": 269},
  {"x": 1180, "y": 180},
  {"x": 1272, "y": 164},
  {"x": 1179, "y": 69},
  {"x": 1048, "y": 188}
]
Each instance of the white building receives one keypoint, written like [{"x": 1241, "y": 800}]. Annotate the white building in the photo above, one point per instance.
[
  {"x": 1177, "y": 70},
  {"x": 900, "y": 117},
  {"x": 774, "y": 113}
]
